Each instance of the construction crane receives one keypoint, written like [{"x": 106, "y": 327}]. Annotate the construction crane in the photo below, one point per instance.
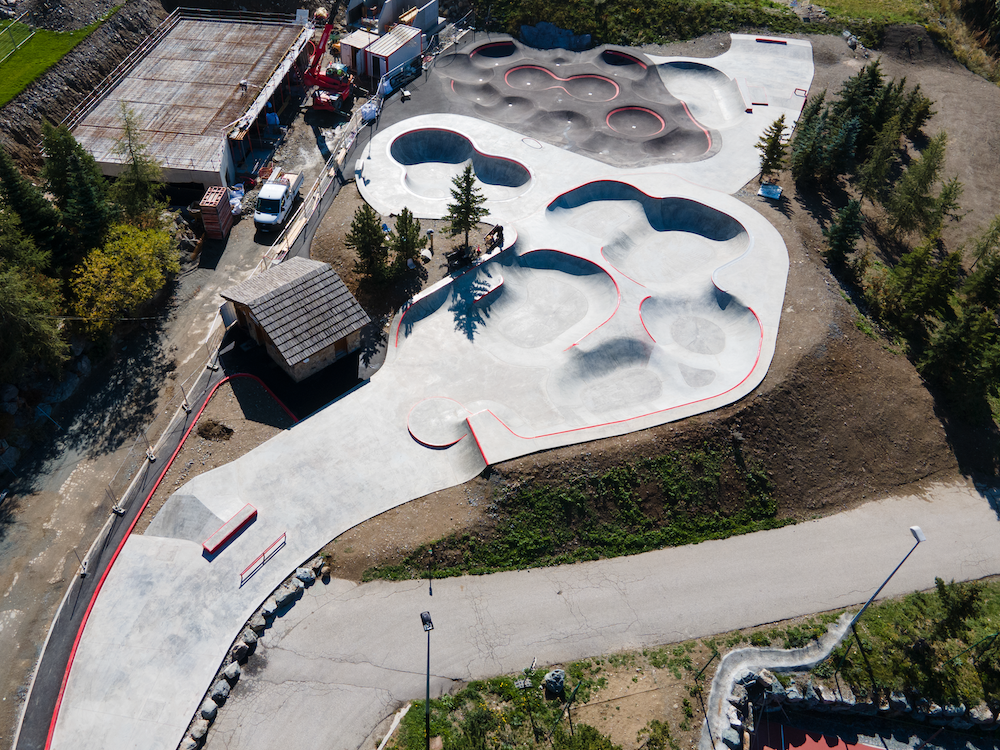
[{"x": 333, "y": 91}]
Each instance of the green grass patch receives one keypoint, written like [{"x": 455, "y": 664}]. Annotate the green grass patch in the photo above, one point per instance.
[
  {"x": 882, "y": 11},
  {"x": 496, "y": 713},
  {"x": 710, "y": 492},
  {"x": 12, "y": 34},
  {"x": 625, "y": 22},
  {"x": 40, "y": 53},
  {"x": 939, "y": 645}
]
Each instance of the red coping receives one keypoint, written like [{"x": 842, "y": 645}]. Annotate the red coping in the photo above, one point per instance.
[{"x": 230, "y": 528}]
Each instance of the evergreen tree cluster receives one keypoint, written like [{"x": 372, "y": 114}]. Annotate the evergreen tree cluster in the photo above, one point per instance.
[
  {"x": 51, "y": 234},
  {"x": 837, "y": 137},
  {"x": 948, "y": 317},
  {"x": 373, "y": 245}
]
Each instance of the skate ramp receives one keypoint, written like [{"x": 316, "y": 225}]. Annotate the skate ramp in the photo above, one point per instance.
[
  {"x": 605, "y": 103},
  {"x": 711, "y": 96}
]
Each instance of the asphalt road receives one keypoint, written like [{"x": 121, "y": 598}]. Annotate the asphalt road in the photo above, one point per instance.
[
  {"x": 75, "y": 607},
  {"x": 346, "y": 655}
]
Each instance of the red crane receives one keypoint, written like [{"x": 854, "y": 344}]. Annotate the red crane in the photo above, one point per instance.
[{"x": 337, "y": 87}]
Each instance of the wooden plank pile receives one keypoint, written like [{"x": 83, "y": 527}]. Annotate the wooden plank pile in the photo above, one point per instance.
[{"x": 215, "y": 213}]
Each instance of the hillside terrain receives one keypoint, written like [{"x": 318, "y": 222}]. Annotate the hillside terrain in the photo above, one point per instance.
[{"x": 842, "y": 416}]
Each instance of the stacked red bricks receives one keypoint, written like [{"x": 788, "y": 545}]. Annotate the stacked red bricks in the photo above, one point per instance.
[{"x": 215, "y": 213}]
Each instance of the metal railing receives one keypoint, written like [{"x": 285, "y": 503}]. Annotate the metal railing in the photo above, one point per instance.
[
  {"x": 9, "y": 32},
  {"x": 87, "y": 105},
  {"x": 261, "y": 560},
  {"x": 142, "y": 455}
]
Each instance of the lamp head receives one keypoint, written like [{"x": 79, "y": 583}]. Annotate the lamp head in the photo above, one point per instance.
[
  {"x": 918, "y": 534},
  {"x": 425, "y": 618}
]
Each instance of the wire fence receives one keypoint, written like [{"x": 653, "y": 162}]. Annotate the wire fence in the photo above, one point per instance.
[
  {"x": 176, "y": 407},
  {"x": 13, "y": 35}
]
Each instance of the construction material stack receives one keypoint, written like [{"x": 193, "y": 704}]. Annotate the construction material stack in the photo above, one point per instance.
[{"x": 216, "y": 214}]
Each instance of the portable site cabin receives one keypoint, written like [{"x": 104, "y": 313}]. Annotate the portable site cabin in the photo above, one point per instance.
[
  {"x": 351, "y": 48},
  {"x": 395, "y": 48}
]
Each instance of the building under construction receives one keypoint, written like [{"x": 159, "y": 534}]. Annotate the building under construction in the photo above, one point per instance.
[{"x": 200, "y": 87}]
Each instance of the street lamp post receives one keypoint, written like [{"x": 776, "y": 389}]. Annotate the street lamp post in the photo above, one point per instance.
[
  {"x": 425, "y": 619},
  {"x": 919, "y": 536}
]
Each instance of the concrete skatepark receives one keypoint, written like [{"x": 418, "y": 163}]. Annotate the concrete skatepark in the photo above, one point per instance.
[{"x": 623, "y": 298}]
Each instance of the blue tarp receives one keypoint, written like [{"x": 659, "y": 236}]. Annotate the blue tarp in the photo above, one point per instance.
[{"x": 770, "y": 191}]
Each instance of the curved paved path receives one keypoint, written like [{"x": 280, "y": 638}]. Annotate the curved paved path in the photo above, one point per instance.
[{"x": 345, "y": 656}]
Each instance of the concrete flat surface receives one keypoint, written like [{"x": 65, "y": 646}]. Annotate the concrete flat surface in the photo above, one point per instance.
[
  {"x": 622, "y": 300},
  {"x": 185, "y": 90},
  {"x": 361, "y": 649}
]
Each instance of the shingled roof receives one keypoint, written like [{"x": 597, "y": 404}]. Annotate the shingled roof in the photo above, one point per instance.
[{"x": 302, "y": 305}]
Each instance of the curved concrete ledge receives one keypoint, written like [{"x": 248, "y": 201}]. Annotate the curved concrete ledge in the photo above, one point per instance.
[{"x": 737, "y": 664}]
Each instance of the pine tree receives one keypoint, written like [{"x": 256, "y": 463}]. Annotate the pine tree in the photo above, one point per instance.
[
  {"x": 911, "y": 204},
  {"x": 925, "y": 285},
  {"x": 838, "y": 150},
  {"x": 873, "y": 177},
  {"x": 987, "y": 241},
  {"x": 63, "y": 178},
  {"x": 367, "y": 239},
  {"x": 39, "y": 218},
  {"x": 87, "y": 215},
  {"x": 406, "y": 241},
  {"x": 139, "y": 186},
  {"x": 17, "y": 249},
  {"x": 29, "y": 333},
  {"x": 772, "y": 149},
  {"x": 964, "y": 357},
  {"x": 844, "y": 232},
  {"x": 945, "y": 206},
  {"x": 466, "y": 208},
  {"x": 983, "y": 285},
  {"x": 806, "y": 138},
  {"x": 916, "y": 111}
]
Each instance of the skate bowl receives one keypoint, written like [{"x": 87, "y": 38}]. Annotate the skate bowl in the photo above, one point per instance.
[
  {"x": 629, "y": 328},
  {"x": 605, "y": 103},
  {"x": 432, "y": 157},
  {"x": 656, "y": 241}
]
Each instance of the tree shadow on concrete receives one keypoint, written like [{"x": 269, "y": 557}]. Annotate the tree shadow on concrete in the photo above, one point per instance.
[
  {"x": 374, "y": 342},
  {"x": 470, "y": 303}
]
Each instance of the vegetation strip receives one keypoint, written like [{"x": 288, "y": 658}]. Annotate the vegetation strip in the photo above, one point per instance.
[
  {"x": 710, "y": 492},
  {"x": 936, "y": 647}
]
